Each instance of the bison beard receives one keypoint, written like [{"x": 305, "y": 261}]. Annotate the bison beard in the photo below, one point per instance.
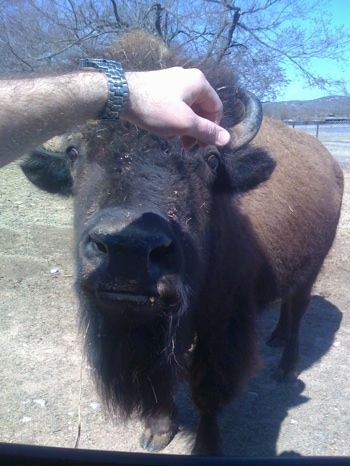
[
  {"x": 177, "y": 252},
  {"x": 134, "y": 343}
]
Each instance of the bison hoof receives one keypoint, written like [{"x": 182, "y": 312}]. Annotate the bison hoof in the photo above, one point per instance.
[
  {"x": 286, "y": 375},
  {"x": 154, "y": 442}
]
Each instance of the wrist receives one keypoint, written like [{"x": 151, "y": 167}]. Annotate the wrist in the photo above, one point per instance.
[
  {"x": 90, "y": 94},
  {"x": 142, "y": 102},
  {"x": 129, "y": 109}
]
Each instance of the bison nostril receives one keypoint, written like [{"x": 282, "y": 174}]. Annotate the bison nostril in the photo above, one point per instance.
[
  {"x": 164, "y": 258},
  {"x": 97, "y": 245}
]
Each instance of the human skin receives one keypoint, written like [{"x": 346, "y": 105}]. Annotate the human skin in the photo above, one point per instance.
[{"x": 171, "y": 102}]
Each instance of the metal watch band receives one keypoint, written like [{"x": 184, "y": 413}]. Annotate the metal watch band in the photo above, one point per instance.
[{"x": 117, "y": 86}]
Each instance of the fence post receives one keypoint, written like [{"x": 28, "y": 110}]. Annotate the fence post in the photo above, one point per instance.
[{"x": 317, "y": 127}]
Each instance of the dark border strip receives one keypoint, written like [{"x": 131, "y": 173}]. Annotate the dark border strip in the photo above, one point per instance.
[{"x": 30, "y": 455}]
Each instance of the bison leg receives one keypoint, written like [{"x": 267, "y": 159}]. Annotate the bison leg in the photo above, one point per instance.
[
  {"x": 280, "y": 334},
  {"x": 208, "y": 439},
  {"x": 208, "y": 389},
  {"x": 159, "y": 430},
  {"x": 292, "y": 312},
  {"x": 223, "y": 358}
]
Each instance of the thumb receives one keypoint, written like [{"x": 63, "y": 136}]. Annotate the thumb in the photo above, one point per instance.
[{"x": 206, "y": 133}]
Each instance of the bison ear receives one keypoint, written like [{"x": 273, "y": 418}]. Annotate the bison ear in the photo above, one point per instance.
[
  {"x": 49, "y": 171},
  {"x": 246, "y": 171}
]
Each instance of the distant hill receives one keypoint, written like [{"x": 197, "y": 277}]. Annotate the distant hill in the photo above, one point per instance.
[{"x": 334, "y": 106}]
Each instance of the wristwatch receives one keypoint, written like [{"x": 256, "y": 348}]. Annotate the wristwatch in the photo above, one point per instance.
[{"x": 117, "y": 86}]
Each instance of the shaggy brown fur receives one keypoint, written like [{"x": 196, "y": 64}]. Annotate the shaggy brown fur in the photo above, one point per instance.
[{"x": 303, "y": 197}]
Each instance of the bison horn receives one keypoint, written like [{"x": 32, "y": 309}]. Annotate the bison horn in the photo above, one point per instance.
[{"x": 248, "y": 127}]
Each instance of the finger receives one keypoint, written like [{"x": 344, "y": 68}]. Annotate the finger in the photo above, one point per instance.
[
  {"x": 205, "y": 132},
  {"x": 207, "y": 110},
  {"x": 204, "y": 100}
]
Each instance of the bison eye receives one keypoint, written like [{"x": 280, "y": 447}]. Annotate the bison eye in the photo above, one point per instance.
[
  {"x": 213, "y": 162},
  {"x": 72, "y": 153}
]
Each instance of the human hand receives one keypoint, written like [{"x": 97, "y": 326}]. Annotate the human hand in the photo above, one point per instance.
[{"x": 176, "y": 102}]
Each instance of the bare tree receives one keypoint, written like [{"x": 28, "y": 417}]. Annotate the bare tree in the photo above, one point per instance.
[{"x": 260, "y": 38}]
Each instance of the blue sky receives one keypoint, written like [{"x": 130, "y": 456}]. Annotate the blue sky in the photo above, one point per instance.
[{"x": 298, "y": 89}]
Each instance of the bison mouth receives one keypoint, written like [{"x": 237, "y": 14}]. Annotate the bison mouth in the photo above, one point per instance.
[
  {"x": 166, "y": 292},
  {"x": 136, "y": 307},
  {"x": 139, "y": 301},
  {"x": 117, "y": 296}
]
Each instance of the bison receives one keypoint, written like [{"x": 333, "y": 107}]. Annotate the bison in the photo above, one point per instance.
[{"x": 177, "y": 252}]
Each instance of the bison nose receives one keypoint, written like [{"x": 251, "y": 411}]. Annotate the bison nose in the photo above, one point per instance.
[
  {"x": 157, "y": 251},
  {"x": 139, "y": 251}
]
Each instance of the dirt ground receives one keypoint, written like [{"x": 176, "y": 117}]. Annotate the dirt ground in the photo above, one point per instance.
[{"x": 46, "y": 390}]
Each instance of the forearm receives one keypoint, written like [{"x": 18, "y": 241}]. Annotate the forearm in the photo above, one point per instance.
[
  {"x": 171, "y": 102},
  {"x": 33, "y": 111}
]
